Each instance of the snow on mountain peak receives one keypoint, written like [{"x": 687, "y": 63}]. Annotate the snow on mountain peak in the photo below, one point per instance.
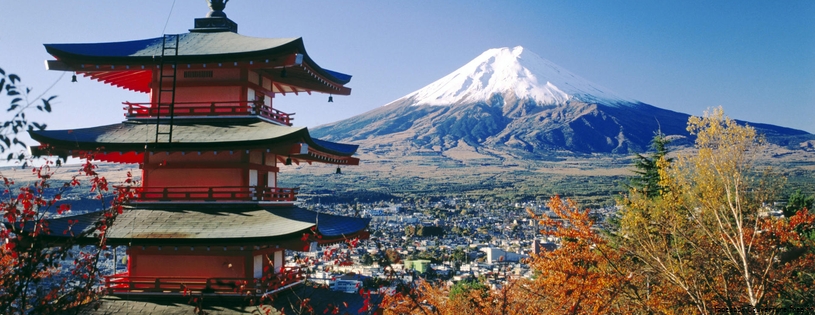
[{"x": 512, "y": 70}]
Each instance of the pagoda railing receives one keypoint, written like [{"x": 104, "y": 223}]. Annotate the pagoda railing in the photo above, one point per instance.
[
  {"x": 208, "y": 109},
  {"x": 221, "y": 193},
  {"x": 124, "y": 283}
]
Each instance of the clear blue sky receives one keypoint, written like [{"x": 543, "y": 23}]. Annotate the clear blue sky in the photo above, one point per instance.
[{"x": 754, "y": 58}]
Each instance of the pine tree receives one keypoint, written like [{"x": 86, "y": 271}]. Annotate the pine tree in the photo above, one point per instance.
[{"x": 647, "y": 178}]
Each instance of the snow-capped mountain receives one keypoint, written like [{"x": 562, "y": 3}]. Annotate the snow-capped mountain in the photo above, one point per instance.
[
  {"x": 512, "y": 70},
  {"x": 512, "y": 100}
]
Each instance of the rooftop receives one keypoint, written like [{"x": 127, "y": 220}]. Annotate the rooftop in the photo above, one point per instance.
[{"x": 212, "y": 224}]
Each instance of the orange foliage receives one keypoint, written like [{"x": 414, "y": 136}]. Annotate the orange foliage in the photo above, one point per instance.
[
  {"x": 590, "y": 274},
  {"x": 704, "y": 244},
  {"x": 585, "y": 275}
]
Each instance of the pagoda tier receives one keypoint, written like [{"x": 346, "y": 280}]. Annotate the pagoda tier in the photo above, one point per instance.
[
  {"x": 209, "y": 145},
  {"x": 216, "y": 225},
  {"x": 224, "y": 160},
  {"x": 126, "y": 142},
  {"x": 223, "y": 56},
  {"x": 207, "y": 248}
]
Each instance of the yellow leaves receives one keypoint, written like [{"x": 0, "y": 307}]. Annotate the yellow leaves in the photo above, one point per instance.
[
  {"x": 702, "y": 236},
  {"x": 697, "y": 246}
]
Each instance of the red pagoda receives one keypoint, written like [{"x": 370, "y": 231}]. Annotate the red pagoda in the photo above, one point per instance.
[{"x": 209, "y": 144}]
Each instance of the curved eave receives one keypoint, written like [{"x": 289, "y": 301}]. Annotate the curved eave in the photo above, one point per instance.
[
  {"x": 194, "y": 48},
  {"x": 210, "y": 225},
  {"x": 219, "y": 135},
  {"x": 103, "y": 61}
]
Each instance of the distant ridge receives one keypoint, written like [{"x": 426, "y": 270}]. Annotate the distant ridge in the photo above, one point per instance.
[{"x": 512, "y": 100}]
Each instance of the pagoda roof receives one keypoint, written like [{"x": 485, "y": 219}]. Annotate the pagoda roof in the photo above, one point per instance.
[
  {"x": 198, "y": 134},
  {"x": 111, "y": 61},
  {"x": 202, "y": 224}
]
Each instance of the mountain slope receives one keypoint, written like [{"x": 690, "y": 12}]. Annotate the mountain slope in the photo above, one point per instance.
[
  {"x": 512, "y": 100},
  {"x": 516, "y": 71}
]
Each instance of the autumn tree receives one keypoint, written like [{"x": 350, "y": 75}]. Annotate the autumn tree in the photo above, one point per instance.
[
  {"x": 707, "y": 233},
  {"x": 584, "y": 275},
  {"x": 696, "y": 237},
  {"x": 38, "y": 276}
]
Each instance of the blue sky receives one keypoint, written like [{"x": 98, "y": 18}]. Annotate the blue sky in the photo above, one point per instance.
[{"x": 754, "y": 58}]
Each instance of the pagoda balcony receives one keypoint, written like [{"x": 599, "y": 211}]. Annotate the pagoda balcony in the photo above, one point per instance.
[
  {"x": 221, "y": 193},
  {"x": 208, "y": 109},
  {"x": 123, "y": 283}
]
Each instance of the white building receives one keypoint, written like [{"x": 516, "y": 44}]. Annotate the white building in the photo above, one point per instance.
[{"x": 495, "y": 255}]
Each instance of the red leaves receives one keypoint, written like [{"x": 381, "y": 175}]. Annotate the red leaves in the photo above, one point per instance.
[
  {"x": 88, "y": 168},
  {"x": 29, "y": 210},
  {"x": 9, "y": 246},
  {"x": 331, "y": 308},
  {"x": 366, "y": 301},
  {"x": 63, "y": 208}
]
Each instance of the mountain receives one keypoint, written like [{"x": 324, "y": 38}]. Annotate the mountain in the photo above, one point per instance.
[{"x": 512, "y": 100}]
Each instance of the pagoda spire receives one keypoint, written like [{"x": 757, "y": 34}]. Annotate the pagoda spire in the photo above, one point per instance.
[
  {"x": 216, "y": 8},
  {"x": 216, "y": 20}
]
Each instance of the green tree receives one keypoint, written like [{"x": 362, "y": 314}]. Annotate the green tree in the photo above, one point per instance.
[
  {"x": 20, "y": 101},
  {"x": 366, "y": 259},
  {"x": 798, "y": 201},
  {"x": 470, "y": 290},
  {"x": 647, "y": 179}
]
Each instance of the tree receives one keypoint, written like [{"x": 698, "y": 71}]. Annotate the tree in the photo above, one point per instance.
[
  {"x": 18, "y": 105},
  {"x": 366, "y": 259},
  {"x": 32, "y": 280},
  {"x": 798, "y": 201},
  {"x": 647, "y": 179},
  {"x": 585, "y": 274},
  {"x": 469, "y": 292},
  {"x": 706, "y": 234},
  {"x": 701, "y": 242}
]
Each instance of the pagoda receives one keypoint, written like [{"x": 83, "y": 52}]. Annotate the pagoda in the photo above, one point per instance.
[{"x": 208, "y": 143}]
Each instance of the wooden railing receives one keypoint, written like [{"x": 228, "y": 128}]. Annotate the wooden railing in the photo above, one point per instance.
[
  {"x": 222, "y": 193},
  {"x": 123, "y": 282},
  {"x": 204, "y": 109},
  {"x": 126, "y": 283}
]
